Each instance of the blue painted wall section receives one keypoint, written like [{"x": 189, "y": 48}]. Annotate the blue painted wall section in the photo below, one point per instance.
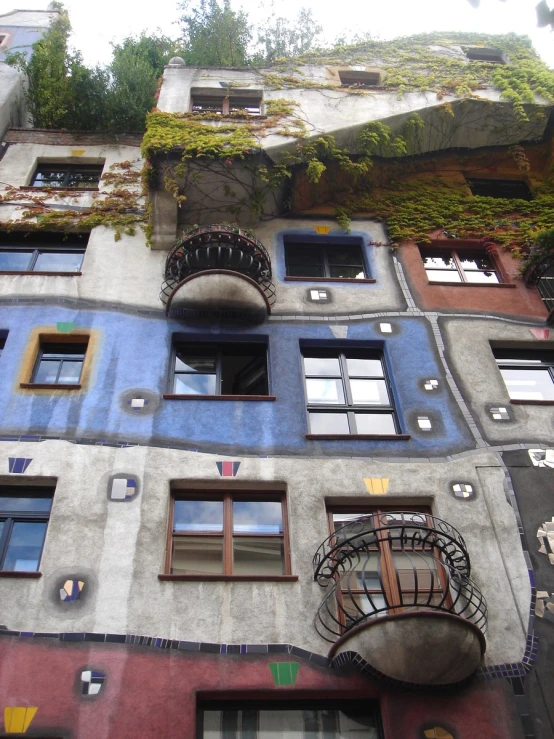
[{"x": 132, "y": 358}]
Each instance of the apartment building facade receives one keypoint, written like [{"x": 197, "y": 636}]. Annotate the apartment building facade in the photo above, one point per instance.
[{"x": 267, "y": 475}]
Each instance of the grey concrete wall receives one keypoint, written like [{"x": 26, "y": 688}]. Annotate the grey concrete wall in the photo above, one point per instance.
[{"x": 12, "y": 103}]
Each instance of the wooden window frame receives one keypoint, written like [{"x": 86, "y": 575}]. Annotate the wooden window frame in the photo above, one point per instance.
[
  {"x": 456, "y": 254},
  {"x": 227, "y": 535},
  {"x": 11, "y": 517}
]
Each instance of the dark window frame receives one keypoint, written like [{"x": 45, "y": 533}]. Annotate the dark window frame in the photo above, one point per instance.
[
  {"x": 69, "y": 169},
  {"x": 35, "y": 244},
  {"x": 217, "y": 349},
  {"x": 60, "y": 356},
  {"x": 513, "y": 363},
  {"x": 479, "y": 54},
  {"x": 325, "y": 247},
  {"x": 3, "y": 338},
  {"x": 348, "y": 407},
  {"x": 456, "y": 253},
  {"x": 227, "y": 535},
  {"x": 12, "y": 517},
  {"x": 359, "y": 78},
  {"x": 485, "y": 187},
  {"x": 225, "y": 104}
]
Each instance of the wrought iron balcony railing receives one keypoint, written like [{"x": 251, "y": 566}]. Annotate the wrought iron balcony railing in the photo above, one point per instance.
[
  {"x": 392, "y": 563},
  {"x": 218, "y": 248},
  {"x": 541, "y": 275}
]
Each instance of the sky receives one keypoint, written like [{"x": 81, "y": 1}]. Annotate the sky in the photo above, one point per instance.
[{"x": 97, "y": 23}]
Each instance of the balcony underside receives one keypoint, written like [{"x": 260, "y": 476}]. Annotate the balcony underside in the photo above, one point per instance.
[{"x": 420, "y": 647}]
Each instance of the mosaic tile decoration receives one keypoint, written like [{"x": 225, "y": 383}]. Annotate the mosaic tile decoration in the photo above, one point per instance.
[
  {"x": 284, "y": 673},
  {"x": 463, "y": 490},
  {"x": 319, "y": 296},
  {"x": 17, "y": 719},
  {"x": 544, "y": 603},
  {"x": 499, "y": 413},
  {"x": 437, "y": 732},
  {"x": 322, "y": 230},
  {"x": 18, "y": 465},
  {"x": 543, "y": 334},
  {"x": 424, "y": 423},
  {"x": 228, "y": 469},
  {"x": 385, "y": 328},
  {"x": 542, "y": 457},
  {"x": 139, "y": 402},
  {"x": 339, "y": 332},
  {"x": 123, "y": 488},
  {"x": 545, "y": 535},
  {"x": 71, "y": 590},
  {"x": 65, "y": 327},
  {"x": 377, "y": 485},
  {"x": 92, "y": 682},
  {"x": 431, "y": 384}
]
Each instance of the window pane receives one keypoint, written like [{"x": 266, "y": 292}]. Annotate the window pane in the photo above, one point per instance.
[
  {"x": 258, "y": 556},
  {"x": 302, "y": 261},
  {"x": 356, "y": 606},
  {"x": 529, "y": 384},
  {"x": 257, "y": 517},
  {"x": 25, "y": 546},
  {"x": 198, "y": 515},
  {"x": 325, "y": 391},
  {"x": 185, "y": 362},
  {"x": 346, "y": 273},
  {"x": 322, "y": 366},
  {"x": 344, "y": 255},
  {"x": 47, "y": 371},
  {"x": 475, "y": 261},
  {"x": 88, "y": 179},
  {"x": 438, "y": 261},
  {"x": 364, "y": 367},
  {"x": 276, "y": 723},
  {"x": 58, "y": 262},
  {"x": 369, "y": 392},
  {"x": 437, "y": 275},
  {"x": 416, "y": 564},
  {"x": 375, "y": 423},
  {"x": 15, "y": 261},
  {"x": 329, "y": 423},
  {"x": 482, "y": 277},
  {"x": 25, "y": 504},
  {"x": 365, "y": 576},
  {"x": 70, "y": 373},
  {"x": 49, "y": 177},
  {"x": 195, "y": 384},
  {"x": 197, "y": 555},
  {"x": 305, "y": 269}
]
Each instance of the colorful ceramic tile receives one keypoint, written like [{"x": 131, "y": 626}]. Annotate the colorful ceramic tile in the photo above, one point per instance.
[
  {"x": 339, "y": 332},
  {"x": 545, "y": 535},
  {"x": 424, "y": 423},
  {"x": 92, "y": 682},
  {"x": 542, "y": 457},
  {"x": 77, "y": 152},
  {"x": 377, "y": 485},
  {"x": 317, "y": 296},
  {"x": 123, "y": 488},
  {"x": 65, "y": 327},
  {"x": 228, "y": 469},
  {"x": 323, "y": 230},
  {"x": 284, "y": 673},
  {"x": 437, "y": 733},
  {"x": 17, "y": 719},
  {"x": 71, "y": 590},
  {"x": 543, "y": 334},
  {"x": 499, "y": 413},
  {"x": 385, "y": 328},
  {"x": 463, "y": 490},
  {"x": 18, "y": 465},
  {"x": 431, "y": 384}
]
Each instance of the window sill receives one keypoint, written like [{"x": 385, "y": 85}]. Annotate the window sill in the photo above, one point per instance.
[
  {"x": 47, "y": 274},
  {"x": 20, "y": 573},
  {"x": 169, "y": 396},
  {"x": 228, "y": 578},
  {"x": 516, "y": 401},
  {"x": 36, "y": 188},
  {"x": 362, "y": 437},
  {"x": 352, "y": 280},
  {"x": 46, "y": 386},
  {"x": 509, "y": 285}
]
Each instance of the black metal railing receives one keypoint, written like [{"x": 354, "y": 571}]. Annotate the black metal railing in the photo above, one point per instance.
[
  {"x": 218, "y": 247},
  {"x": 390, "y": 563},
  {"x": 541, "y": 275}
]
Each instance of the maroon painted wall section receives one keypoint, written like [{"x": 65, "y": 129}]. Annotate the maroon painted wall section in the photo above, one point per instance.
[
  {"x": 515, "y": 300},
  {"x": 151, "y": 694}
]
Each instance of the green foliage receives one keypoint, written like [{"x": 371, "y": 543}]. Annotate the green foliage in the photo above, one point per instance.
[
  {"x": 282, "y": 39},
  {"x": 214, "y": 34}
]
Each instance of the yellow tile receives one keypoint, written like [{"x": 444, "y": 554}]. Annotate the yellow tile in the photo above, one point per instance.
[
  {"x": 77, "y": 152},
  {"x": 17, "y": 719},
  {"x": 430, "y": 734},
  {"x": 377, "y": 485},
  {"x": 442, "y": 733},
  {"x": 322, "y": 229}
]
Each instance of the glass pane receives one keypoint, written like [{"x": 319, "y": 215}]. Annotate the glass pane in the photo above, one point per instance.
[
  {"x": 416, "y": 564},
  {"x": 276, "y": 723},
  {"x": 8, "y": 503},
  {"x": 438, "y": 261},
  {"x": 362, "y": 604},
  {"x": 198, "y": 515},
  {"x": 301, "y": 269},
  {"x": 87, "y": 179},
  {"x": 364, "y": 367},
  {"x": 194, "y": 363},
  {"x": 369, "y": 392},
  {"x": 375, "y": 423},
  {"x": 365, "y": 574},
  {"x": 197, "y": 555},
  {"x": 346, "y": 273},
  {"x": 58, "y": 262},
  {"x": 49, "y": 178},
  {"x": 325, "y": 391},
  {"x": 257, "y": 517},
  {"x": 437, "y": 275},
  {"x": 195, "y": 385},
  {"x": 328, "y": 366},
  {"x": 47, "y": 371},
  {"x": 304, "y": 261},
  {"x": 329, "y": 423},
  {"x": 15, "y": 261},
  {"x": 475, "y": 260},
  {"x": 344, "y": 255},
  {"x": 481, "y": 277},
  {"x": 70, "y": 373},
  {"x": 25, "y": 546},
  {"x": 260, "y": 556},
  {"x": 529, "y": 384}
]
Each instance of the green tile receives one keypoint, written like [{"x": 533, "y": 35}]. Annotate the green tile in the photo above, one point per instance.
[
  {"x": 284, "y": 673},
  {"x": 65, "y": 327}
]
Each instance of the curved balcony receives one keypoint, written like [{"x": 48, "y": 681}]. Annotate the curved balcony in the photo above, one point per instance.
[
  {"x": 399, "y": 595},
  {"x": 221, "y": 272},
  {"x": 541, "y": 276}
]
